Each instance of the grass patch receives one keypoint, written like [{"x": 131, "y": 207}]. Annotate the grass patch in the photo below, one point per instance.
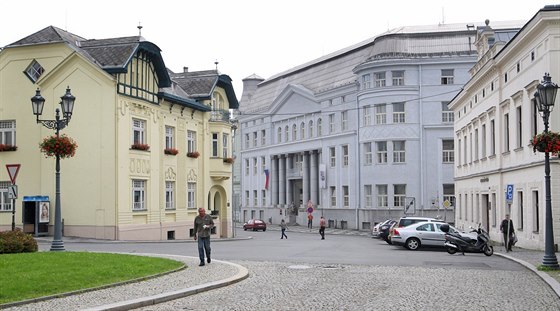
[
  {"x": 546, "y": 268},
  {"x": 31, "y": 275}
]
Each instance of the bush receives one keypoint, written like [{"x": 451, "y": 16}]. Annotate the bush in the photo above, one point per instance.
[{"x": 17, "y": 242}]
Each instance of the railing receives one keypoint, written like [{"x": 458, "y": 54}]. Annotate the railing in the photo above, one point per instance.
[
  {"x": 220, "y": 115},
  {"x": 5, "y": 206}
]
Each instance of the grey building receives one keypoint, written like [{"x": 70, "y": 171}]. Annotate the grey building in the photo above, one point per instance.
[{"x": 364, "y": 132}]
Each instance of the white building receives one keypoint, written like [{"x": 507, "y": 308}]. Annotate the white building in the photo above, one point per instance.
[
  {"x": 364, "y": 132},
  {"x": 494, "y": 122}
]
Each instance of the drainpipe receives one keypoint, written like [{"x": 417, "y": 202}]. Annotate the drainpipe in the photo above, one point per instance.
[{"x": 421, "y": 124}]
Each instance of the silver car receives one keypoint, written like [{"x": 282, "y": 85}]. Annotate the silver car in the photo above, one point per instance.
[{"x": 423, "y": 234}]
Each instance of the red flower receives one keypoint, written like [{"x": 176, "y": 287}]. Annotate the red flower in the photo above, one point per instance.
[{"x": 62, "y": 146}]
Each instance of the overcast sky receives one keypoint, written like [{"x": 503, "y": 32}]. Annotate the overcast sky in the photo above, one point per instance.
[{"x": 247, "y": 36}]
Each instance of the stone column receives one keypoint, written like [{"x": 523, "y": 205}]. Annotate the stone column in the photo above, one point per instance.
[
  {"x": 305, "y": 178},
  {"x": 314, "y": 177},
  {"x": 282, "y": 181},
  {"x": 274, "y": 181},
  {"x": 289, "y": 165}
]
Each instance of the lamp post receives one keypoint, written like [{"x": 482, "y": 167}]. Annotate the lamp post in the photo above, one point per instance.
[
  {"x": 545, "y": 96},
  {"x": 67, "y": 105}
]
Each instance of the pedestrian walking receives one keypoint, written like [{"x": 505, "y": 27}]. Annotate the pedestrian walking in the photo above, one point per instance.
[
  {"x": 310, "y": 221},
  {"x": 322, "y": 225},
  {"x": 506, "y": 227},
  {"x": 203, "y": 223},
  {"x": 283, "y": 227}
]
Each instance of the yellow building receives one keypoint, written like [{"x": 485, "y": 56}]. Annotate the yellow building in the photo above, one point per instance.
[{"x": 126, "y": 101}]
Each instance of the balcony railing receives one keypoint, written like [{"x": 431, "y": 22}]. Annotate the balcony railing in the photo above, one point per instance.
[{"x": 220, "y": 115}]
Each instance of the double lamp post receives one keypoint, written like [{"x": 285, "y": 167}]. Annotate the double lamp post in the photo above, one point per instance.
[
  {"x": 67, "y": 105},
  {"x": 545, "y": 97}
]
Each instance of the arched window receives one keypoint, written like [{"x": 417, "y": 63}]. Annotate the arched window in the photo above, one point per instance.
[
  {"x": 319, "y": 127},
  {"x": 294, "y": 132},
  {"x": 310, "y": 129},
  {"x": 286, "y": 133},
  {"x": 279, "y": 135},
  {"x": 302, "y": 131}
]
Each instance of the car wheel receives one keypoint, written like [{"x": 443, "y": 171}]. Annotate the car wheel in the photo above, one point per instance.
[
  {"x": 245, "y": 229},
  {"x": 412, "y": 244},
  {"x": 450, "y": 250},
  {"x": 488, "y": 250},
  {"x": 254, "y": 229},
  {"x": 264, "y": 229}
]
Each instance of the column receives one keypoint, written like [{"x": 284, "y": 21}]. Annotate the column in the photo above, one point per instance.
[
  {"x": 282, "y": 181},
  {"x": 305, "y": 178},
  {"x": 289, "y": 165},
  {"x": 274, "y": 181},
  {"x": 314, "y": 177}
]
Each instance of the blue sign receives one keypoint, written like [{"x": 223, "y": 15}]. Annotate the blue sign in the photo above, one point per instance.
[{"x": 509, "y": 194}]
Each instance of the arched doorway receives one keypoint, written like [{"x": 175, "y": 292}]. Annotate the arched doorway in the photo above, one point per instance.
[{"x": 217, "y": 205}]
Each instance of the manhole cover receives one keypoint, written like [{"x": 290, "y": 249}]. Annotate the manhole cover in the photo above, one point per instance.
[{"x": 299, "y": 267}]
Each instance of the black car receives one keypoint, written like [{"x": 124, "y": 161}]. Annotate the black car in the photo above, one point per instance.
[{"x": 384, "y": 229}]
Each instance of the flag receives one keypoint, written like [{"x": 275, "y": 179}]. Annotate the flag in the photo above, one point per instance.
[{"x": 266, "y": 179}]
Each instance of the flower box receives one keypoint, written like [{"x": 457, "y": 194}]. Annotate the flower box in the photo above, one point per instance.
[
  {"x": 546, "y": 142},
  {"x": 7, "y": 147},
  {"x": 171, "y": 151},
  {"x": 138, "y": 146},
  {"x": 62, "y": 146},
  {"x": 228, "y": 160},
  {"x": 194, "y": 154}
]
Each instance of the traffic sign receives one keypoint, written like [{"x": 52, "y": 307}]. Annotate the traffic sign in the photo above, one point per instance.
[
  {"x": 509, "y": 193},
  {"x": 13, "y": 170},
  {"x": 12, "y": 192}
]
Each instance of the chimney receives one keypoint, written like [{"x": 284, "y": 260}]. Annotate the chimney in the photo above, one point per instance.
[{"x": 185, "y": 69}]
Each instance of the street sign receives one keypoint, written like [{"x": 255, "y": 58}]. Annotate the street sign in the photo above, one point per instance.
[
  {"x": 12, "y": 192},
  {"x": 13, "y": 170},
  {"x": 509, "y": 194},
  {"x": 446, "y": 204}
]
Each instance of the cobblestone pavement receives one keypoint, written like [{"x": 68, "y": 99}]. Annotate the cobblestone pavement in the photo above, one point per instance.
[{"x": 281, "y": 286}]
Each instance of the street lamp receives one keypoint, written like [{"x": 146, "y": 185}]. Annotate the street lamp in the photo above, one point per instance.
[
  {"x": 67, "y": 105},
  {"x": 545, "y": 96}
]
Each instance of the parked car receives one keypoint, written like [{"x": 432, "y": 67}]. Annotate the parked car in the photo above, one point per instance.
[
  {"x": 376, "y": 229},
  {"x": 426, "y": 233},
  {"x": 384, "y": 229},
  {"x": 407, "y": 221},
  {"x": 255, "y": 225}
]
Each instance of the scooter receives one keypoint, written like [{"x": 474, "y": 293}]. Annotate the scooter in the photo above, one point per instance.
[{"x": 454, "y": 242}]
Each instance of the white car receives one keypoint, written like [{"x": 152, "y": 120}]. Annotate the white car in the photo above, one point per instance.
[
  {"x": 375, "y": 230},
  {"x": 424, "y": 234}
]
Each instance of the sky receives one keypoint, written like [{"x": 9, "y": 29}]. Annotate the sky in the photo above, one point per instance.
[{"x": 247, "y": 37}]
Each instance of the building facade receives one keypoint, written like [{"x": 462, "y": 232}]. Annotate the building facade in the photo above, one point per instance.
[
  {"x": 363, "y": 133},
  {"x": 152, "y": 144},
  {"x": 495, "y": 119}
]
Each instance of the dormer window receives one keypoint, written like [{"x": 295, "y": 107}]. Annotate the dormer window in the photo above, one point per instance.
[{"x": 34, "y": 71}]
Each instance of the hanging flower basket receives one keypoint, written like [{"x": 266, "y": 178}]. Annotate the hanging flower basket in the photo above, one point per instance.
[
  {"x": 194, "y": 154},
  {"x": 138, "y": 146},
  {"x": 7, "y": 147},
  {"x": 546, "y": 142},
  {"x": 171, "y": 151},
  {"x": 228, "y": 160},
  {"x": 62, "y": 146}
]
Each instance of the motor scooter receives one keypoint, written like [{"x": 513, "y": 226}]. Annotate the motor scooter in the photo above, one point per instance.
[{"x": 454, "y": 242}]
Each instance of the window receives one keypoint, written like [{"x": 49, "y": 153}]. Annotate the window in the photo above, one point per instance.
[
  {"x": 191, "y": 195},
  {"x": 246, "y": 167},
  {"x": 398, "y": 151},
  {"x": 191, "y": 141},
  {"x": 214, "y": 144},
  {"x": 492, "y": 138},
  {"x": 254, "y": 166},
  {"x": 483, "y": 141},
  {"x": 294, "y": 132},
  {"x": 345, "y": 196},
  {"x": 255, "y": 139},
  {"x": 399, "y": 195},
  {"x": 465, "y": 159},
  {"x": 344, "y": 120},
  {"x": 286, "y": 133},
  {"x": 255, "y": 198},
  {"x": 536, "y": 212},
  {"x": 263, "y": 197},
  {"x": 138, "y": 131},
  {"x": 398, "y": 113},
  {"x": 520, "y": 210},
  {"x": 476, "y": 145},
  {"x": 345, "y": 155},
  {"x": 225, "y": 145},
  {"x": 169, "y": 195},
  {"x": 138, "y": 195},
  {"x": 506, "y": 132},
  {"x": 169, "y": 139},
  {"x": 368, "y": 155},
  {"x": 534, "y": 117},
  {"x": 368, "y": 195},
  {"x": 279, "y": 135},
  {"x": 246, "y": 141},
  {"x": 519, "y": 127},
  {"x": 381, "y": 149},
  {"x": 447, "y": 115},
  {"x": 247, "y": 198},
  {"x": 263, "y": 137},
  {"x": 332, "y": 153},
  {"x": 459, "y": 159},
  {"x": 34, "y": 71},
  {"x": 331, "y": 123},
  {"x": 447, "y": 76},
  {"x": 398, "y": 78},
  {"x": 310, "y": 129},
  {"x": 382, "y": 196},
  {"x": 263, "y": 164},
  {"x": 319, "y": 127},
  {"x": 380, "y": 114},
  {"x": 448, "y": 152},
  {"x": 366, "y": 82},
  {"x": 302, "y": 131},
  {"x": 379, "y": 79},
  {"x": 5, "y": 202},
  {"x": 333, "y": 196},
  {"x": 367, "y": 115},
  {"x": 8, "y": 133},
  {"x": 449, "y": 194}
]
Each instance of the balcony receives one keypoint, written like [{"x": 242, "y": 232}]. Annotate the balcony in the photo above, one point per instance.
[{"x": 220, "y": 116}]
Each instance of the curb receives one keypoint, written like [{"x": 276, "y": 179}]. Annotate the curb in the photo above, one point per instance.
[{"x": 554, "y": 285}]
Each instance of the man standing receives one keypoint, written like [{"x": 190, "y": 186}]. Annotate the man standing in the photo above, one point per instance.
[
  {"x": 322, "y": 225},
  {"x": 507, "y": 230},
  {"x": 202, "y": 225}
]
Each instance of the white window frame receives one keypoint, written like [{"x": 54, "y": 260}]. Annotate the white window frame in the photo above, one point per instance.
[
  {"x": 255, "y": 198},
  {"x": 332, "y": 123},
  {"x": 214, "y": 144},
  {"x": 382, "y": 195},
  {"x": 332, "y": 155},
  {"x": 302, "y": 131},
  {"x": 447, "y": 76},
  {"x": 447, "y": 115},
  {"x": 379, "y": 79},
  {"x": 319, "y": 127},
  {"x": 366, "y": 81},
  {"x": 225, "y": 145},
  {"x": 8, "y": 132},
  {"x": 247, "y": 167},
  {"x": 381, "y": 151},
  {"x": 368, "y": 154},
  {"x": 399, "y": 151},
  {"x": 169, "y": 195},
  {"x": 344, "y": 120},
  {"x": 191, "y": 195},
  {"x": 346, "y": 196},
  {"x": 138, "y": 195},
  {"x": 279, "y": 135},
  {"x": 399, "y": 115},
  {"x": 310, "y": 134},
  {"x": 398, "y": 77},
  {"x": 333, "y": 196},
  {"x": 254, "y": 166},
  {"x": 169, "y": 137},
  {"x": 345, "y": 156},
  {"x": 448, "y": 151},
  {"x": 5, "y": 202},
  {"x": 138, "y": 131},
  {"x": 366, "y": 115},
  {"x": 263, "y": 137},
  {"x": 399, "y": 195},
  {"x": 255, "y": 136},
  {"x": 191, "y": 141},
  {"x": 381, "y": 114},
  {"x": 368, "y": 196}
]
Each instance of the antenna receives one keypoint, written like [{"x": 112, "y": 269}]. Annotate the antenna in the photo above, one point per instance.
[
  {"x": 442, "y": 15},
  {"x": 139, "y": 29},
  {"x": 216, "y": 63}
]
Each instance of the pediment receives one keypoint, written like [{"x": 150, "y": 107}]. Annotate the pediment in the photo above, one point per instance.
[{"x": 295, "y": 100}]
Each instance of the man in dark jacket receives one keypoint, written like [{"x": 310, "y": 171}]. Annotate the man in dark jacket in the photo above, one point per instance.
[
  {"x": 202, "y": 225},
  {"x": 507, "y": 230}
]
